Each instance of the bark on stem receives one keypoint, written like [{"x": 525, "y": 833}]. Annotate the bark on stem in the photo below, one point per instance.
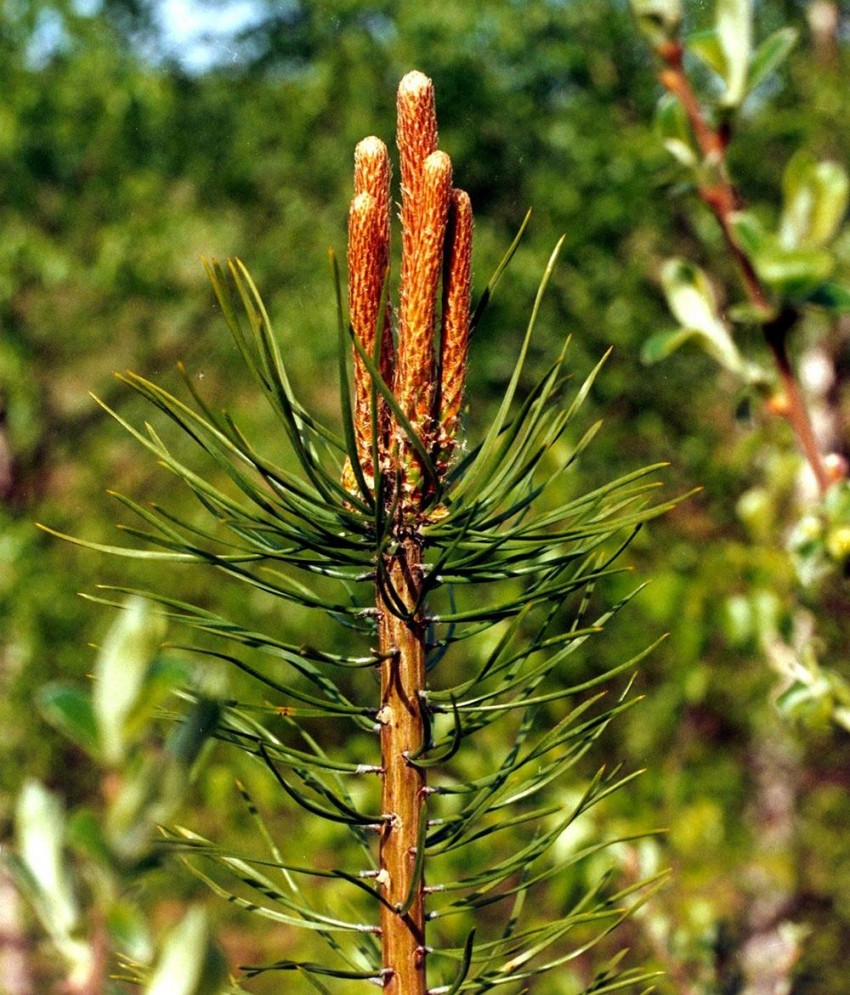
[
  {"x": 402, "y": 730},
  {"x": 797, "y": 413}
]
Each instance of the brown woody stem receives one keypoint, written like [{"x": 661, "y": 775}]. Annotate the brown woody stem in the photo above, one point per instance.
[
  {"x": 796, "y": 412},
  {"x": 721, "y": 196},
  {"x": 711, "y": 141},
  {"x": 402, "y": 643}
]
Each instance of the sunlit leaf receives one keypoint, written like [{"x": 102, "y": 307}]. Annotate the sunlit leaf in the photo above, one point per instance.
[
  {"x": 45, "y": 872},
  {"x": 815, "y": 200},
  {"x": 734, "y": 24},
  {"x": 795, "y": 273},
  {"x": 692, "y": 301},
  {"x": 120, "y": 671}
]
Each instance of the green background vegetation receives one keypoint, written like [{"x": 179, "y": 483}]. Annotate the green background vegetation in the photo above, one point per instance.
[{"x": 119, "y": 168}]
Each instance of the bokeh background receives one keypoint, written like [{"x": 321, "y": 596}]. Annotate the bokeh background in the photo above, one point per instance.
[{"x": 137, "y": 137}]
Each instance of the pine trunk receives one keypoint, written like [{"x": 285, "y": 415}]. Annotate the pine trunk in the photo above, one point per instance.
[{"x": 402, "y": 729}]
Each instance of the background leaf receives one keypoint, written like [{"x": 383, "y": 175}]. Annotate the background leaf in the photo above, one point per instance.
[
  {"x": 120, "y": 671},
  {"x": 771, "y": 54},
  {"x": 69, "y": 708},
  {"x": 734, "y": 21}
]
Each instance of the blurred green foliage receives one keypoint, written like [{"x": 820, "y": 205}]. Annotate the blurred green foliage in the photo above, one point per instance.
[
  {"x": 119, "y": 168},
  {"x": 80, "y": 872}
]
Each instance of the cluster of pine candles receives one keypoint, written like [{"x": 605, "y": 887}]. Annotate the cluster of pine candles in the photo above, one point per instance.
[{"x": 426, "y": 370}]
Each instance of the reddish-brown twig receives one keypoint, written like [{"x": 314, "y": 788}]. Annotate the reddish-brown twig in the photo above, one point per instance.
[{"x": 720, "y": 195}]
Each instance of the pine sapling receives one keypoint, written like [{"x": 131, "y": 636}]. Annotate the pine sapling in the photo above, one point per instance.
[{"x": 419, "y": 543}]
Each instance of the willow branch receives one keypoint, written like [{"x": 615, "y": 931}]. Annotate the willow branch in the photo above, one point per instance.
[{"x": 723, "y": 199}]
